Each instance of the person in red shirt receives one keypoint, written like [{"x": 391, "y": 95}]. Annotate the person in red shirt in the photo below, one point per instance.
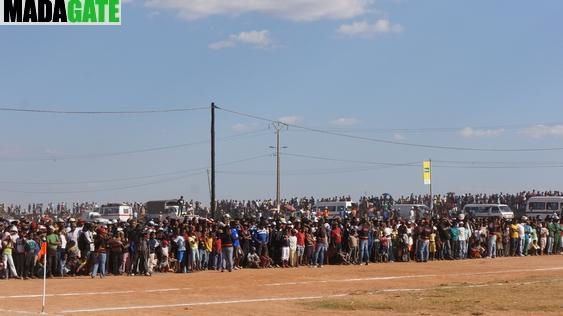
[
  {"x": 336, "y": 237},
  {"x": 300, "y": 246}
]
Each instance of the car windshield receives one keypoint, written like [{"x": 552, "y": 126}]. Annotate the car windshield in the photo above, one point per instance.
[{"x": 505, "y": 209}]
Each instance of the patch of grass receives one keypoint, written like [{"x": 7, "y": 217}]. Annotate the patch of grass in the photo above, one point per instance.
[{"x": 348, "y": 305}]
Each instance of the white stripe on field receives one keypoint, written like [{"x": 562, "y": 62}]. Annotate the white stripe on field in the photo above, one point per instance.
[
  {"x": 91, "y": 293},
  {"x": 257, "y": 300},
  {"x": 383, "y": 278},
  {"x": 285, "y": 299}
]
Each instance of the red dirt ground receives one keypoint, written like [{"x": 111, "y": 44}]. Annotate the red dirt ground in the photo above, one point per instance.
[{"x": 374, "y": 289}]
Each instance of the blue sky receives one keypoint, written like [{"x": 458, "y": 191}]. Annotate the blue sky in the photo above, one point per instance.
[{"x": 488, "y": 71}]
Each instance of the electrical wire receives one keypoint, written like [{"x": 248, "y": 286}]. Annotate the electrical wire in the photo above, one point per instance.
[
  {"x": 7, "y": 109},
  {"x": 134, "y": 151},
  {"x": 391, "y": 142},
  {"x": 108, "y": 189},
  {"x": 92, "y": 181}
]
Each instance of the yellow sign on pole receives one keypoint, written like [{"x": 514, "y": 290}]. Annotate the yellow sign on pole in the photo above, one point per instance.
[{"x": 427, "y": 171}]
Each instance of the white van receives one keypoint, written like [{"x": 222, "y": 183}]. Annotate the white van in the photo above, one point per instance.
[
  {"x": 488, "y": 210},
  {"x": 335, "y": 209},
  {"x": 118, "y": 211},
  {"x": 544, "y": 206},
  {"x": 404, "y": 211},
  {"x": 93, "y": 217}
]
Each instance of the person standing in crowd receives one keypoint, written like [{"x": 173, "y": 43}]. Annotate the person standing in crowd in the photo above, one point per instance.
[
  {"x": 424, "y": 241},
  {"x": 153, "y": 245},
  {"x": 454, "y": 233},
  {"x": 217, "y": 252},
  {"x": 236, "y": 245},
  {"x": 445, "y": 237},
  {"x": 492, "y": 229},
  {"x": 142, "y": 255},
  {"x": 309, "y": 247},
  {"x": 262, "y": 238},
  {"x": 521, "y": 238},
  {"x": 19, "y": 253},
  {"x": 61, "y": 253},
  {"x": 293, "y": 258},
  {"x": 180, "y": 252},
  {"x": 321, "y": 245},
  {"x": 8, "y": 260},
  {"x": 300, "y": 235},
  {"x": 226, "y": 249},
  {"x": 194, "y": 252},
  {"x": 53, "y": 244},
  {"x": 285, "y": 248},
  {"x": 543, "y": 238},
  {"x": 86, "y": 241},
  {"x": 364, "y": 240},
  {"x": 246, "y": 241},
  {"x": 463, "y": 240},
  {"x": 99, "y": 254},
  {"x": 336, "y": 237},
  {"x": 115, "y": 248},
  {"x": 203, "y": 255},
  {"x": 31, "y": 248}
]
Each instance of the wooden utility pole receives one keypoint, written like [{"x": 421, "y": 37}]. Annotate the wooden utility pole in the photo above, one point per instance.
[{"x": 213, "y": 204}]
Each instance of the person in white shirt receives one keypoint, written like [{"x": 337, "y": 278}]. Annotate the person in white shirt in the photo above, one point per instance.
[
  {"x": 522, "y": 236},
  {"x": 293, "y": 249},
  {"x": 462, "y": 241},
  {"x": 62, "y": 251}
]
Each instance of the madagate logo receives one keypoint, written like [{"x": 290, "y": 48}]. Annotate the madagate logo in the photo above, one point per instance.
[{"x": 60, "y": 12}]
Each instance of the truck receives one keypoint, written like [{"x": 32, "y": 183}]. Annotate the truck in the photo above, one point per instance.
[{"x": 162, "y": 209}]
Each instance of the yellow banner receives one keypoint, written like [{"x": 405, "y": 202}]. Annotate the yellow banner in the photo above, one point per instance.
[{"x": 427, "y": 171}]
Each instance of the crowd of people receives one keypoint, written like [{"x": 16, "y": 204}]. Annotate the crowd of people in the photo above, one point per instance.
[{"x": 246, "y": 239}]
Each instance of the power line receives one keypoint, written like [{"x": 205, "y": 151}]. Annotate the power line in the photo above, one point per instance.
[
  {"x": 391, "y": 142},
  {"x": 108, "y": 189},
  {"x": 7, "y": 109},
  {"x": 449, "y": 163},
  {"x": 201, "y": 169},
  {"x": 134, "y": 151},
  {"x": 353, "y": 161}
]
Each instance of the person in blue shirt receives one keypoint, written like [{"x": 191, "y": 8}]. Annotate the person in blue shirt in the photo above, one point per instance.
[
  {"x": 236, "y": 245},
  {"x": 261, "y": 238}
]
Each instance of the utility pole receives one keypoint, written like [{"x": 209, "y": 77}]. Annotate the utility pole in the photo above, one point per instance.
[
  {"x": 278, "y": 126},
  {"x": 213, "y": 204}
]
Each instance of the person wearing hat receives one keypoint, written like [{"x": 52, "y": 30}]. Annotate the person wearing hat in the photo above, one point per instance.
[
  {"x": 100, "y": 253},
  {"x": 53, "y": 244},
  {"x": 8, "y": 260}
]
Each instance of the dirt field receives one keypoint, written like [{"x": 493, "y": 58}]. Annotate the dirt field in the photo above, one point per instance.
[{"x": 515, "y": 286}]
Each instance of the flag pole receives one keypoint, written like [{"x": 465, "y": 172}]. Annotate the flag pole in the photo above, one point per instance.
[{"x": 44, "y": 277}]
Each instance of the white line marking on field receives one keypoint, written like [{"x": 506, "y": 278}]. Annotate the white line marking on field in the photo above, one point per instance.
[
  {"x": 383, "y": 278},
  {"x": 10, "y": 311},
  {"x": 286, "y": 299},
  {"x": 257, "y": 300},
  {"x": 91, "y": 293}
]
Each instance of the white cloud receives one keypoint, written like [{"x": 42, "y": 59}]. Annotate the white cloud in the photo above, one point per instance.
[
  {"x": 398, "y": 136},
  {"x": 469, "y": 132},
  {"x": 345, "y": 121},
  {"x": 297, "y": 10},
  {"x": 291, "y": 119},
  {"x": 239, "y": 127},
  {"x": 260, "y": 39},
  {"x": 541, "y": 131},
  {"x": 366, "y": 29}
]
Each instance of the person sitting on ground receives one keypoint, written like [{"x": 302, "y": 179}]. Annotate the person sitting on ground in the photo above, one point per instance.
[{"x": 253, "y": 259}]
